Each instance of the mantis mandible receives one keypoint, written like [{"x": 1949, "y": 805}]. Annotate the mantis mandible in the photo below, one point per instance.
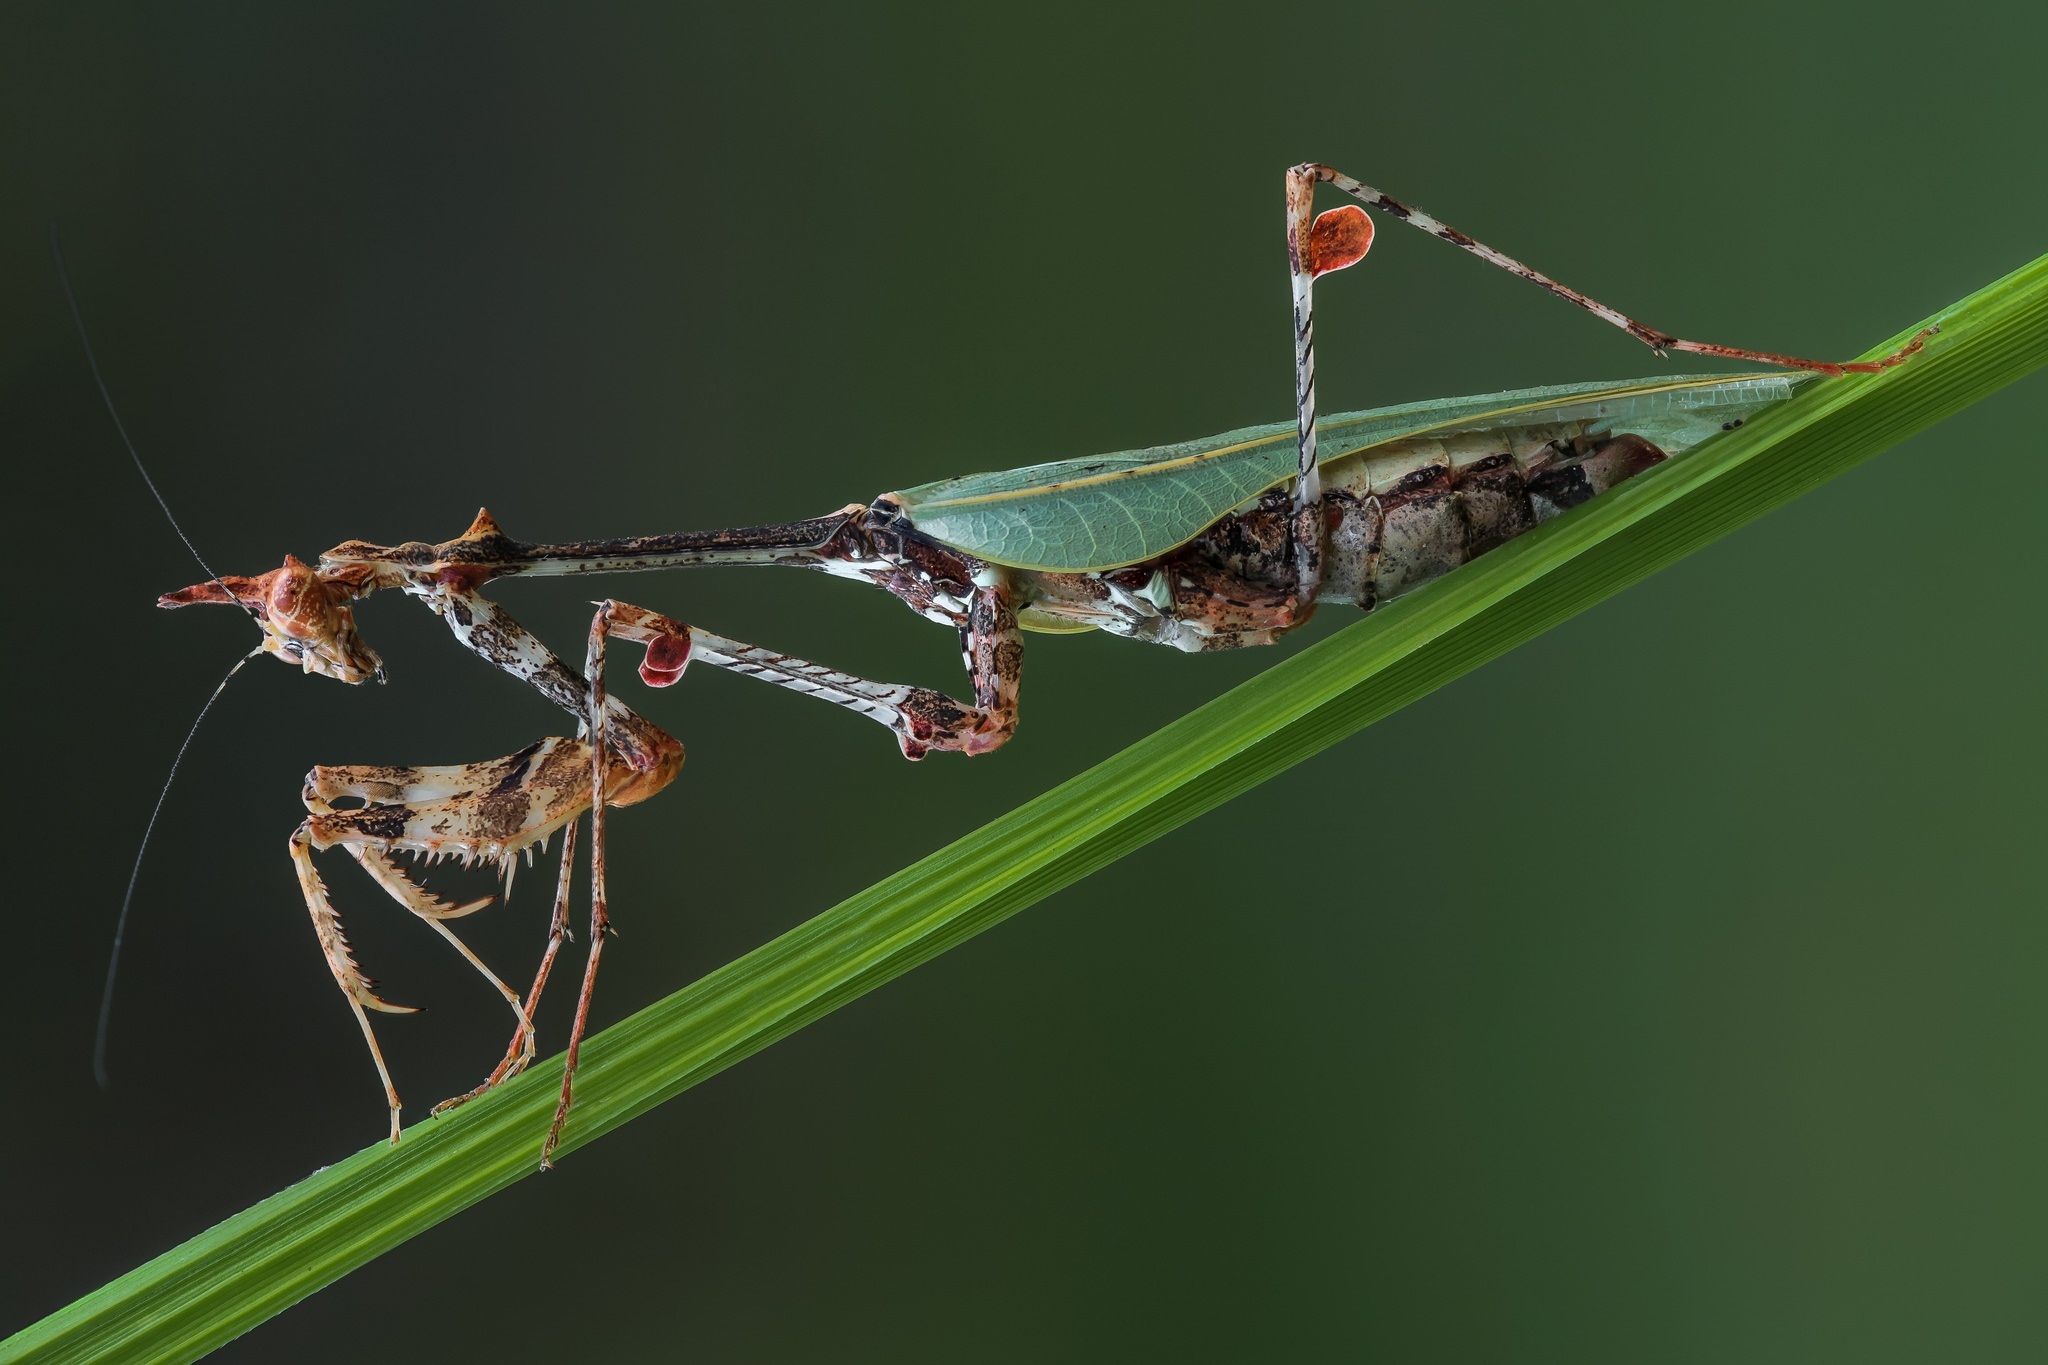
[{"x": 1213, "y": 544}]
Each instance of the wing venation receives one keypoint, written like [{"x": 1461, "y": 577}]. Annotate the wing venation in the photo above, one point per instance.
[{"x": 1111, "y": 510}]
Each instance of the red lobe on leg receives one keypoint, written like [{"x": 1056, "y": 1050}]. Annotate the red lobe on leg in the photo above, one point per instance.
[
  {"x": 1338, "y": 238},
  {"x": 666, "y": 659}
]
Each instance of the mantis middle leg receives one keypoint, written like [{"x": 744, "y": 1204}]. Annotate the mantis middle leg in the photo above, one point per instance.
[
  {"x": 921, "y": 719},
  {"x": 520, "y": 1051}
]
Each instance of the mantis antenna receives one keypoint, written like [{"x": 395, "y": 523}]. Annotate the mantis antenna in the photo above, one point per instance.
[
  {"x": 99, "y": 1037},
  {"x": 99, "y": 1042},
  {"x": 93, "y": 363}
]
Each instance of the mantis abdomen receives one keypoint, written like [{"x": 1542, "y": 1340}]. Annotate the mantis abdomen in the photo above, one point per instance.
[
  {"x": 1395, "y": 517},
  {"x": 1418, "y": 509}
]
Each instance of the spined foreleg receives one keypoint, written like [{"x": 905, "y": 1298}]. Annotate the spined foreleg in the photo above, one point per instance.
[
  {"x": 354, "y": 985},
  {"x": 475, "y": 812},
  {"x": 429, "y": 784}
]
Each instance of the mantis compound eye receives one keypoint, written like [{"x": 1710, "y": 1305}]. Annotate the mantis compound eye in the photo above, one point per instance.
[{"x": 304, "y": 615}]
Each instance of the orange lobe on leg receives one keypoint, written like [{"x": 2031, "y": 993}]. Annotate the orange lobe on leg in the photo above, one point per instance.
[{"x": 1338, "y": 238}]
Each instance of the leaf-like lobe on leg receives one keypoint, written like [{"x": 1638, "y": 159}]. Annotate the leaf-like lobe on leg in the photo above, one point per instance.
[{"x": 1337, "y": 238}]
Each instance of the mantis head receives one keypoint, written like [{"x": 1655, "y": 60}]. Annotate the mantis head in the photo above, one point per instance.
[{"x": 304, "y": 615}]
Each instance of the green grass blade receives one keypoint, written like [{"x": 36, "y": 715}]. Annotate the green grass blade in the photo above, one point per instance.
[{"x": 228, "y": 1279}]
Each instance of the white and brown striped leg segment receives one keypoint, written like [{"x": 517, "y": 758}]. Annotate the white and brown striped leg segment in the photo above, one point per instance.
[
  {"x": 1308, "y": 487},
  {"x": 921, "y": 718},
  {"x": 1315, "y": 247},
  {"x": 1656, "y": 340},
  {"x": 874, "y": 544},
  {"x": 491, "y": 633}
]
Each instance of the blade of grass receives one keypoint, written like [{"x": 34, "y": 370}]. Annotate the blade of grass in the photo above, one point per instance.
[{"x": 233, "y": 1276}]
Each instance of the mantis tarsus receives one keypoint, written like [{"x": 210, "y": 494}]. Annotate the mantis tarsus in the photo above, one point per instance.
[{"x": 1213, "y": 544}]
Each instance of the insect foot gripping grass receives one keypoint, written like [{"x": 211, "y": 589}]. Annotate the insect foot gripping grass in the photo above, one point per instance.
[{"x": 1210, "y": 544}]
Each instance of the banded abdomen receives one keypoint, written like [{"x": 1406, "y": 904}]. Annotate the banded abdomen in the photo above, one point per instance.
[
  {"x": 1405, "y": 513},
  {"x": 1397, "y": 516}
]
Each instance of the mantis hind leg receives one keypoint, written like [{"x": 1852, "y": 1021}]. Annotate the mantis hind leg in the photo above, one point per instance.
[
  {"x": 1659, "y": 341},
  {"x": 1317, "y": 245}
]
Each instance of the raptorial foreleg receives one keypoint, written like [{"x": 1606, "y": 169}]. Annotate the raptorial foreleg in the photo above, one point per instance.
[
  {"x": 334, "y": 944},
  {"x": 430, "y": 908},
  {"x": 478, "y": 812},
  {"x": 433, "y": 912}
]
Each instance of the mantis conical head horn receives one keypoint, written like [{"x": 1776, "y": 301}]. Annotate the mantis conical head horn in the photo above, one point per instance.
[{"x": 304, "y": 615}]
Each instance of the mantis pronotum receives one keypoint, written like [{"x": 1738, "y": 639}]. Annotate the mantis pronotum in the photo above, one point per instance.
[{"x": 1215, "y": 544}]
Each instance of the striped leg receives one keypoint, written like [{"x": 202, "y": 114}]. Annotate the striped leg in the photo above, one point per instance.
[
  {"x": 1656, "y": 340},
  {"x": 1337, "y": 239},
  {"x": 921, "y": 718},
  {"x": 1308, "y": 483}
]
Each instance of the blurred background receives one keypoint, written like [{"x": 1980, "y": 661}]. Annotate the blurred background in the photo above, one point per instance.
[{"x": 1707, "y": 1025}]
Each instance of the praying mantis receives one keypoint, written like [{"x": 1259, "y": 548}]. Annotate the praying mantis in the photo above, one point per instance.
[{"x": 1220, "y": 543}]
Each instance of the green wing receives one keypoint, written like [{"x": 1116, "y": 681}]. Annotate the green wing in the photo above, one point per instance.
[{"x": 1076, "y": 515}]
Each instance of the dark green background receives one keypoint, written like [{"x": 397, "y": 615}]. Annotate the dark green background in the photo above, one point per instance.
[{"x": 1669, "y": 990}]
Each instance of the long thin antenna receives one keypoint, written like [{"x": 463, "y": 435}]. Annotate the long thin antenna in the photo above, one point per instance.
[
  {"x": 99, "y": 1039},
  {"x": 93, "y": 363},
  {"x": 99, "y": 1042}
]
